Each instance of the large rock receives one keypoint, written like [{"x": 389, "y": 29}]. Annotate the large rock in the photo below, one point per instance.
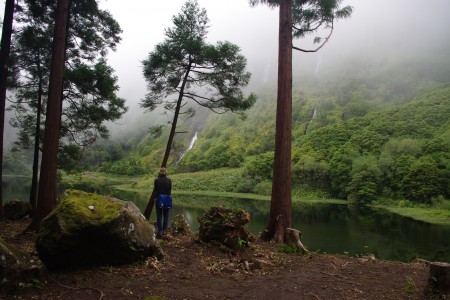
[
  {"x": 16, "y": 209},
  {"x": 15, "y": 267},
  {"x": 90, "y": 229}
]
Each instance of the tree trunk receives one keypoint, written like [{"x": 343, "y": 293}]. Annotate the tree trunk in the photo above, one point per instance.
[
  {"x": 280, "y": 216},
  {"x": 175, "y": 118},
  {"x": 4, "y": 56},
  {"x": 34, "y": 180},
  {"x": 47, "y": 193},
  {"x": 151, "y": 201},
  {"x": 439, "y": 278}
]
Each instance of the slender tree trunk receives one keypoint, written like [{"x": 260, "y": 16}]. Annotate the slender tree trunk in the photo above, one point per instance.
[
  {"x": 151, "y": 201},
  {"x": 175, "y": 118},
  {"x": 47, "y": 193},
  {"x": 37, "y": 133},
  {"x": 4, "y": 56},
  {"x": 280, "y": 217}
]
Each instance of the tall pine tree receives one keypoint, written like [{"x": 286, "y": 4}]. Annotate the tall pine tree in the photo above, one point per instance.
[
  {"x": 4, "y": 57},
  {"x": 190, "y": 70},
  {"x": 297, "y": 19},
  {"x": 89, "y": 90},
  {"x": 47, "y": 184}
]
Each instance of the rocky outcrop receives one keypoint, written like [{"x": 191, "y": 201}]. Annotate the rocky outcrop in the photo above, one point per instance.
[
  {"x": 16, "y": 209},
  {"x": 90, "y": 229},
  {"x": 15, "y": 268}
]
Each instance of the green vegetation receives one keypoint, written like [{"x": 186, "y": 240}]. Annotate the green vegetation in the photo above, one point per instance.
[
  {"x": 429, "y": 215},
  {"x": 362, "y": 138},
  {"x": 436, "y": 213}
]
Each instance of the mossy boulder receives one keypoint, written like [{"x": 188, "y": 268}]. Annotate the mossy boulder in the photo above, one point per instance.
[
  {"x": 16, "y": 209},
  {"x": 226, "y": 227},
  {"x": 15, "y": 267},
  {"x": 90, "y": 229}
]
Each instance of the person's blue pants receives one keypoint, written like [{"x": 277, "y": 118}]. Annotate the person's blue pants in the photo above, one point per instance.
[{"x": 162, "y": 219}]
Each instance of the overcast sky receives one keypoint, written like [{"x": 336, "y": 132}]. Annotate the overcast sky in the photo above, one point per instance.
[
  {"x": 376, "y": 25},
  {"x": 253, "y": 29}
]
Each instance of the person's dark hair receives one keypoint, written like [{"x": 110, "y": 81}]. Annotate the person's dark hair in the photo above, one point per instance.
[{"x": 162, "y": 172}]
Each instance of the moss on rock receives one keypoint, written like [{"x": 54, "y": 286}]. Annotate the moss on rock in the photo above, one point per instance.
[
  {"x": 86, "y": 229},
  {"x": 82, "y": 209}
]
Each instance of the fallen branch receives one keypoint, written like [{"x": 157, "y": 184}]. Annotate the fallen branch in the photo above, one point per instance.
[
  {"x": 79, "y": 288},
  {"x": 344, "y": 279},
  {"x": 314, "y": 295}
]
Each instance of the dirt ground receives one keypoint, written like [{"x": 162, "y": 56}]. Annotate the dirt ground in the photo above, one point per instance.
[{"x": 194, "y": 270}]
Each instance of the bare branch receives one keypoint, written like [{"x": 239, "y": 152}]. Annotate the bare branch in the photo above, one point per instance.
[{"x": 320, "y": 47}]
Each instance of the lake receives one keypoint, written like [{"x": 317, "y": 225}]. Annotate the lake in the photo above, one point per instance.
[{"x": 326, "y": 228}]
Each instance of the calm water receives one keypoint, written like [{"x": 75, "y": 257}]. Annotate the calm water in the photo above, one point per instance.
[{"x": 326, "y": 228}]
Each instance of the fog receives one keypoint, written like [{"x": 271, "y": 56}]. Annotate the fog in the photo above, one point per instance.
[{"x": 377, "y": 29}]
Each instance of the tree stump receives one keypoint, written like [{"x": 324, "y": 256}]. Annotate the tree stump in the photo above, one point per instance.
[
  {"x": 439, "y": 279},
  {"x": 225, "y": 226},
  {"x": 180, "y": 226},
  {"x": 293, "y": 236}
]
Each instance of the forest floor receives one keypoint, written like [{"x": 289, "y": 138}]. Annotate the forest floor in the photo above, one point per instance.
[{"x": 194, "y": 270}]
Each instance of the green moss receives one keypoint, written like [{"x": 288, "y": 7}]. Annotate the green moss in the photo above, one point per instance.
[{"x": 84, "y": 208}]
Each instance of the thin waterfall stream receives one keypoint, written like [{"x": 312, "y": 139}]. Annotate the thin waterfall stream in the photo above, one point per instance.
[{"x": 191, "y": 144}]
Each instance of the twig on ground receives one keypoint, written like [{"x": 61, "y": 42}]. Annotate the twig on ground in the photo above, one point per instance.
[
  {"x": 79, "y": 288},
  {"x": 345, "y": 279}
]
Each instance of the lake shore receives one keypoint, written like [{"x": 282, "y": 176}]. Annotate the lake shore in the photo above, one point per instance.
[{"x": 440, "y": 216}]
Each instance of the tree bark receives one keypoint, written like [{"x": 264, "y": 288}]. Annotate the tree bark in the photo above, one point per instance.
[
  {"x": 280, "y": 216},
  {"x": 4, "y": 57},
  {"x": 37, "y": 133},
  {"x": 294, "y": 236},
  {"x": 47, "y": 193},
  {"x": 175, "y": 117}
]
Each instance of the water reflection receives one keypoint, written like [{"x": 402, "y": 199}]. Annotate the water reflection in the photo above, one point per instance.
[
  {"x": 330, "y": 228},
  {"x": 326, "y": 228}
]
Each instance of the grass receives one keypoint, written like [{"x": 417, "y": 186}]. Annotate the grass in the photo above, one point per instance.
[{"x": 429, "y": 215}]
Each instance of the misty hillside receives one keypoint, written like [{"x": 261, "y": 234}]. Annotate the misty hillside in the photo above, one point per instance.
[{"x": 359, "y": 132}]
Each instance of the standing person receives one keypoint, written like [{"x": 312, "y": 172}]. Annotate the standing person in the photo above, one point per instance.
[{"x": 162, "y": 186}]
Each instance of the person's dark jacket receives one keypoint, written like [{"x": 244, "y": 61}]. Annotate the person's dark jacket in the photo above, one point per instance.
[{"x": 163, "y": 185}]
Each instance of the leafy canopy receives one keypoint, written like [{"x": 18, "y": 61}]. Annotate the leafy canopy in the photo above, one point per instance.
[
  {"x": 184, "y": 64},
  {"x": 90, "y": 86}
]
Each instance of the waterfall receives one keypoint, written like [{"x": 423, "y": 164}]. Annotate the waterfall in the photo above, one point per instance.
[
  {"x": 311, "y": 119},
  {"x": 191, "y": 144},
  {"x": 193, "y": 140}
]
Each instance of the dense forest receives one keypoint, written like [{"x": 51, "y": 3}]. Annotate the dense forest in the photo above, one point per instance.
[{"x": 359, "y": 133}]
